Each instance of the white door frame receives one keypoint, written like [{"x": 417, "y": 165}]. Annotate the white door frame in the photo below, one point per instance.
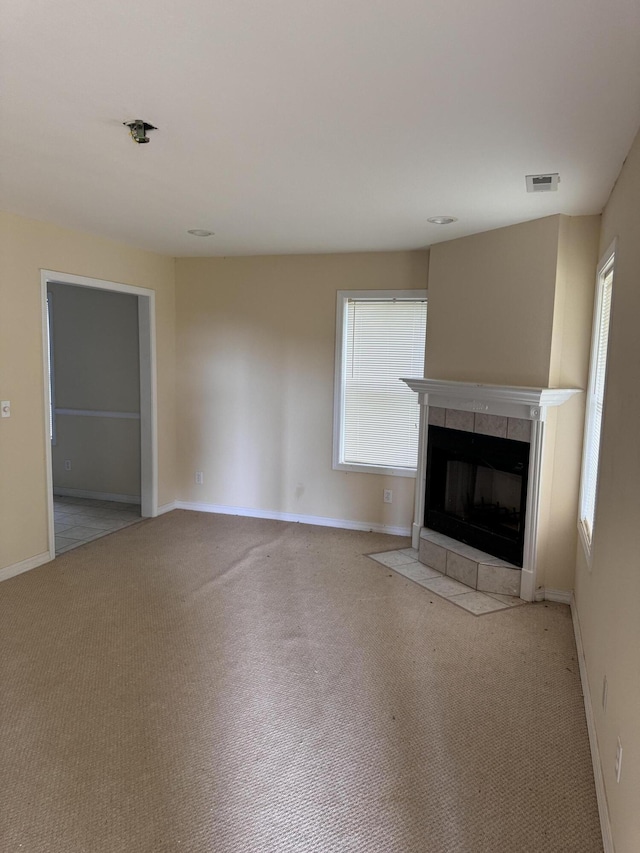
[{"x": 148, "y": 402}]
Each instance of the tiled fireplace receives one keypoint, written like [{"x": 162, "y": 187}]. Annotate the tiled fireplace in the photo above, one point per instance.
[{"x": 480, "y": 458}]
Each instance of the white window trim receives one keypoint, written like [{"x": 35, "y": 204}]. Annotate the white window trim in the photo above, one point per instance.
[
  {"x": 342, "y": 299},
  {"x": 606, "y": 264}
]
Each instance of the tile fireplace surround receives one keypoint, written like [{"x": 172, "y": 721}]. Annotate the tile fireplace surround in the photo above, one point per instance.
[{"x": 510, "y": 412}]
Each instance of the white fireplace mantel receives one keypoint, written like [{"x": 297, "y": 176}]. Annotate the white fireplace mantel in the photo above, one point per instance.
[
  {"x": 513, "y": 402},
  {"x": 510, "y": 400}
]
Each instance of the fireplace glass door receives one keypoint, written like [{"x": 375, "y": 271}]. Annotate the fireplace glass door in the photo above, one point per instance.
[{"x": 476, "y": 490}]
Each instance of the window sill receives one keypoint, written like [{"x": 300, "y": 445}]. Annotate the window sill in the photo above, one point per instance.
[
  {"x": 587, "y": 544},
  {"x": 375, "y": 469}
]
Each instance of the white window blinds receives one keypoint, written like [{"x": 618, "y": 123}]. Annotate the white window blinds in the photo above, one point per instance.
[
  {"x": 384, "y": 339},
  {"x": 595, "y": 399}
]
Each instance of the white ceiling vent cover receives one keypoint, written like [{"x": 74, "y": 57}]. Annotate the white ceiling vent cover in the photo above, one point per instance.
[{"x": 542, "y": 183}]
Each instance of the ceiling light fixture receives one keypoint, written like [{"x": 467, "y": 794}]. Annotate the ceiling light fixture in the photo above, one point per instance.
[
  {"x": 139, "y": 129},
  {"x": 442, "y": 220},
  {"x": 200, "y": 232}
]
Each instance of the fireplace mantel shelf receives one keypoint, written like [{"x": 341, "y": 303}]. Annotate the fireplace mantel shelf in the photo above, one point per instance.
[{"x": 524, "y": 402}]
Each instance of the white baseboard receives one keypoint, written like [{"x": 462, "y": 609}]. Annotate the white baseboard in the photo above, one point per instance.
[
  {"x": 601, "y": 796},
  {"x": 167, "y": 507},
  {"x": 96, "y": 496},
  {"x": 24, "y": 566},
  {"x": 317, "y": 520},
  {"x": 561, "y": 596}
]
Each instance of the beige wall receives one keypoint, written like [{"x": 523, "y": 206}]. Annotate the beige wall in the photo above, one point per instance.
[
  {"x": 491, "y": 300},
  {"x": 513, "y": 306},
  {"x": 608, "y": 594},
  {"x": 568, "y": 368},
  {"x": 97, "y": 368},
  {"x": 26, "y": 246},
  {"x": 256, "y": 344}
]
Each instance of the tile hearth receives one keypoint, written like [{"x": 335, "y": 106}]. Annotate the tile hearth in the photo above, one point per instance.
[
  {"x": 406, "y": 563},
  {"x": 468, "y": 565}
]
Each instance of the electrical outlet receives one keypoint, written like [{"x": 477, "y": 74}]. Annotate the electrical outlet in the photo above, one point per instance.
[
  {"x": 387, "y": 496},
  {"x": 67, "y": 464},
  {"x": 618, "y": 765},
  {"x": 199, "y": 478},
  {"x": 605, "y": 687}
]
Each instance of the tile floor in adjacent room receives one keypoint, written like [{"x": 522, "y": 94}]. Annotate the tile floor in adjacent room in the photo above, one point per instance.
[
  {"x": 79, "y": 520},
  {"x": 405, "y": 563}
]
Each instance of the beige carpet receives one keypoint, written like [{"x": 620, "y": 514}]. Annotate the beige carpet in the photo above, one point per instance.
[{"x": 215, "y": 684}]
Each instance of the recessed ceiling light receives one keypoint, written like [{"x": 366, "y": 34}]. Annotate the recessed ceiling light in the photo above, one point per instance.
[
  {"x": 442, "y": 220},
  {"x": 200, "y": 232}
]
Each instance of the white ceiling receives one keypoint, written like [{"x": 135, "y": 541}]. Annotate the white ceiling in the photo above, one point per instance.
[{"x": 312, "y": 125}]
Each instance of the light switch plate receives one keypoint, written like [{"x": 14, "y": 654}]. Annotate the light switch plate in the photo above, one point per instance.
[{"x": 5, "y": 408}]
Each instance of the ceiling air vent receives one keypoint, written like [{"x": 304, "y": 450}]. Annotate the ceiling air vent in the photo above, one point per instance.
[{"x": 542, "y": 183}]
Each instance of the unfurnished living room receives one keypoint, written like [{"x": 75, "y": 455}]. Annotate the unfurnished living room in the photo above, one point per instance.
[{"x": 320, "y": 380}]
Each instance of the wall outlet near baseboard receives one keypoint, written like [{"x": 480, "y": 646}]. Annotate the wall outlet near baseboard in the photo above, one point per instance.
[
  {"x": 387, "y": 496},
  {"x": 67, "y": 464},
  {"x": 199, "y": 478}
]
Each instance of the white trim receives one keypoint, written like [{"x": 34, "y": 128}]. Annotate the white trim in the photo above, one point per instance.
[
  {"x": 52, "y": 368},
  {"x": 532, "y": 512},
  {"x": 25, "y": 565},
  {"x": 511, "y": 400},
  {"x": 608, "y": 259},
  {"x": 560, "y": 596},
  {"x": 375, "y": 469},
  {"x": 51, "y": 534},
  {"x": 163, "y": 508},
  {"x": 317, "y": 520},
  {"x": 96, "y": 496},
  {"x": 601, "y": 796},
  {"x": 148, "y": 405},
  {"x": 148, "y": 385},
  {"x": 94, "y": 413},
  {"x": 421, "y": 478},
  {"x": 342, "y": 297},
  {"x": 57, "y": 277},
  {"x": 584, "y": 539}
]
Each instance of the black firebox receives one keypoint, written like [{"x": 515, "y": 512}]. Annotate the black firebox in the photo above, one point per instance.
[{"x": 477, "y": 490}]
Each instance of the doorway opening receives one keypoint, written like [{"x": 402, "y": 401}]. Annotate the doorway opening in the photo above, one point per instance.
[{"x": 146, "y": 417}]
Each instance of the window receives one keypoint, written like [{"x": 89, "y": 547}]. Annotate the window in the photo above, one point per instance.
[
  {"x": 595, "y": 397},
  {"x": 380, "y": 336}
]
